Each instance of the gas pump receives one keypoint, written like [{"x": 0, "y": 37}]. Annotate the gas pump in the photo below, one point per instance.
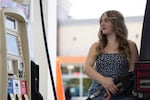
[
  {"x": 15, "y": 82},
  {"x": 142, "y": 68},
  {"x": 142, "y": 80}
]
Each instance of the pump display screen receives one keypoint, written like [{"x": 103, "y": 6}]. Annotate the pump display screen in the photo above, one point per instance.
[{"x": 12, "y": 44}]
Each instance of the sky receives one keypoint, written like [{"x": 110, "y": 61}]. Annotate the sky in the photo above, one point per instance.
[{"x": 88, "y": 9}]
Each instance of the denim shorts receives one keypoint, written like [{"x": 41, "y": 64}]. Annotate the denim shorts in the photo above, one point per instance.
[{"x": 95, "y": 86}]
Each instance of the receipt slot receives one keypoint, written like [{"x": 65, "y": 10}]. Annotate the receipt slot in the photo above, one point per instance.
[{"x": 14, "y": 55}]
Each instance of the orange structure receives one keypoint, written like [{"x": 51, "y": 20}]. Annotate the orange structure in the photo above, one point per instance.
[
  {"x": 59, "y": 82},
  {"x": 71, "y": 59}
]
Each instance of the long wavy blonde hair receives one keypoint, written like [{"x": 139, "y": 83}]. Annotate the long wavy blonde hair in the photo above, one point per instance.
[{"x": 117, "y": 19}]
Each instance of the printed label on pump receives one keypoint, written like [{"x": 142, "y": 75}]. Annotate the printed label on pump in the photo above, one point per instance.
[
  {"x": 10, "y": 86},
  {"x": 23, "y": 86},
  {"x": 16, "y": 86}
]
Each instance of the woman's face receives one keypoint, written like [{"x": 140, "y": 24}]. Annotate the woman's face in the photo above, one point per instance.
[{"x": 106, "y": 26}]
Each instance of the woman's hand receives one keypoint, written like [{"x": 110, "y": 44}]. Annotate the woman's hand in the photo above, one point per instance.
[
  {"x": 109, "y": 85},
  {"x": 107, "y": 95}
]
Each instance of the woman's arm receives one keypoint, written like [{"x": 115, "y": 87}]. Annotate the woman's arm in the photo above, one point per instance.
[
  {"x": 89, "y": 65},
  {"x": 134, "y": 55}
]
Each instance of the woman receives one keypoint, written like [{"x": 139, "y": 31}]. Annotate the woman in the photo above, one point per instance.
[{"x": 112, "y": 56}]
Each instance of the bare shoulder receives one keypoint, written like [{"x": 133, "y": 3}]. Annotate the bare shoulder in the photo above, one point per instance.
[
  {"x": 93, "y": 47},
  {"x": 132, "y": 45}
]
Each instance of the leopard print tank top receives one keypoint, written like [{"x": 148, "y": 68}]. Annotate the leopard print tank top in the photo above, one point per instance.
[
  {"x": 109, "y": 65},
  {"x": 112, "y": 65}
]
